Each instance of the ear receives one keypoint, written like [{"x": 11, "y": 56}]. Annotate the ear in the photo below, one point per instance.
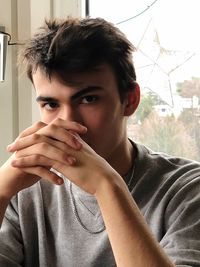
[{"x": 132, "y": 100}]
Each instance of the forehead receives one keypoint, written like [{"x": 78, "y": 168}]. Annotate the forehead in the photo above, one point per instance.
[{"x": 102, "y": 76}]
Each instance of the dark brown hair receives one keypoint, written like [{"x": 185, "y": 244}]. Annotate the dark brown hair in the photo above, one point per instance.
[{"x": 77, "y": 45}]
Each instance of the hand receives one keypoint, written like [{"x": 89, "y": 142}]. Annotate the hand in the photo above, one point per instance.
[
  {"x": 14, "y": 179},
  {"x": 55, "y": 146}
]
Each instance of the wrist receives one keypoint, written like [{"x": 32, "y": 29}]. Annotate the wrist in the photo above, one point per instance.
[
  {"x": 111, "y": 184},
  {"x": 6, "y": 192},
  {"x": 9, "y": 181}
]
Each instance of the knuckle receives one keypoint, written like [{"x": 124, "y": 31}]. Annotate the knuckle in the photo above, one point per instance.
[
  {"x": 39, "y": 169},
  {"x": 39, "y": 124},
  {"x": 57, "y": 121},
  {"x": 43, "y": 146},
  {"x": 36, "y": 157},
  {"x": 21, "y": 161},
  {"x": 36, "y": 137},
  {"x": 52, "y": 127},
  {"x": 64, "y": 156}
]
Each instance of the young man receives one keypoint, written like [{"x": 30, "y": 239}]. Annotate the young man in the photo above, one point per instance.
[{"x": 77, "y": 191}]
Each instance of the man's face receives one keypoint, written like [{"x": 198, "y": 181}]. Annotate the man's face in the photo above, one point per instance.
[{"x": 91, "y": 99}]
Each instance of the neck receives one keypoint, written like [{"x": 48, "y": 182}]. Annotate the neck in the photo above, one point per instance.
[{"x": 127, "y": 154}]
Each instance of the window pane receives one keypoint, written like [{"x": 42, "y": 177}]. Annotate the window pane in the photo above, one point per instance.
[{"x": 165, "y": 34}]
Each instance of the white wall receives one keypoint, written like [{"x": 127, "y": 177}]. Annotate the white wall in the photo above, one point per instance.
[
  {"x": 17, "y": 103},
  {"x": 8, "y": 89}
]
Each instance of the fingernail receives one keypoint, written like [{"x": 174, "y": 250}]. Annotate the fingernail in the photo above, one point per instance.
[
  {"x": 84, "y": 128},
  {"x": 9, "y": 147},
  {"x": 71, "y": 161},
  {"x": 78, "y": 144},
  {"x": 14, "y": 163},
  {"x": 59, "y": 181}
]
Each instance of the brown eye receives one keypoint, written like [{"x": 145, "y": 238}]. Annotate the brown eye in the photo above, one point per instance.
[
  {"x": 89, "y": 99},
  {"x": 50, "y": 105}
]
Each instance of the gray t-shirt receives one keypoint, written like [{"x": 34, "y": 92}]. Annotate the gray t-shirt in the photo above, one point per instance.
[{"x": 61, "y": 226}]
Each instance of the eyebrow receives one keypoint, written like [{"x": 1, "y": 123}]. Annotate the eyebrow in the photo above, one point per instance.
[
  {"x": 46, "y": 99},
  {"x": 73, "y": 97},
  {"x": 86, "y": 90}
]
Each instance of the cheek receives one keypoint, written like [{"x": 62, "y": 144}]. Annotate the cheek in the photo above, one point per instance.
[
  {"x": 101, "y": 124},
  {"x": 96, "y": 124},
  {"x": 95, "y": 121}
]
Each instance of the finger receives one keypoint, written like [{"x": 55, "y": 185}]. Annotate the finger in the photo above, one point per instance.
[
  {"x": 70, "y": 125},
  {"x": 48, "y": 151},
  {"x": 32, "y": 161},
  {"x": 36, "y": 138},
  {"x": 32, "y": 129},
  {"x": 45, "y": 174},
  {"x": 54, "y": 131},
  {"x": 61, "y": 134},
  {"x": 37, "y": 160}
]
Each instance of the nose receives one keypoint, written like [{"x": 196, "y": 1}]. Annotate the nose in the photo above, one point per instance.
[{"x": 69, "y": 113}]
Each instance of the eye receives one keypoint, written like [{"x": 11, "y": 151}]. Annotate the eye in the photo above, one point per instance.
[
  {"x": 89, "y": 99},
  {"x": 50, "y": 105}
]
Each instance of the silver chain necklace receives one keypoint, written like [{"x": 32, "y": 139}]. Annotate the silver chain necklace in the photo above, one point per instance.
[{"x": 130, "y": 176}]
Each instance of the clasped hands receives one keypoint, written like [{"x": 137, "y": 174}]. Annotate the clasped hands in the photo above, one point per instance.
[{"x": 58, "y": 145}]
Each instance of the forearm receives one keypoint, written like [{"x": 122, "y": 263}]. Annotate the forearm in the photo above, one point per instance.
[
  {"x": 131, "y": 240},
  {"x": 6, "y": 174},
  {"x": 3, "y": 205}
]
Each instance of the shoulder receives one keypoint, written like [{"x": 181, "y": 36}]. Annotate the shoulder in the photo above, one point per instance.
[
  {"x": 164, "y": 164},
  {"x": 161, "y": 177}
]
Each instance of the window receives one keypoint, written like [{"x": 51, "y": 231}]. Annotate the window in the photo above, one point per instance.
[{"x": 165, "y": 34}]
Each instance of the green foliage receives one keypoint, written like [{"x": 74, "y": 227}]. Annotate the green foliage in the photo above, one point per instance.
[
  {"x": 175, "y": 136},
  {"x": 166, "y": 135},
  {"x": 148, "y": 101},
  {"x": 189, "y": 88},
  {"x": 191, "y": 119}
]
